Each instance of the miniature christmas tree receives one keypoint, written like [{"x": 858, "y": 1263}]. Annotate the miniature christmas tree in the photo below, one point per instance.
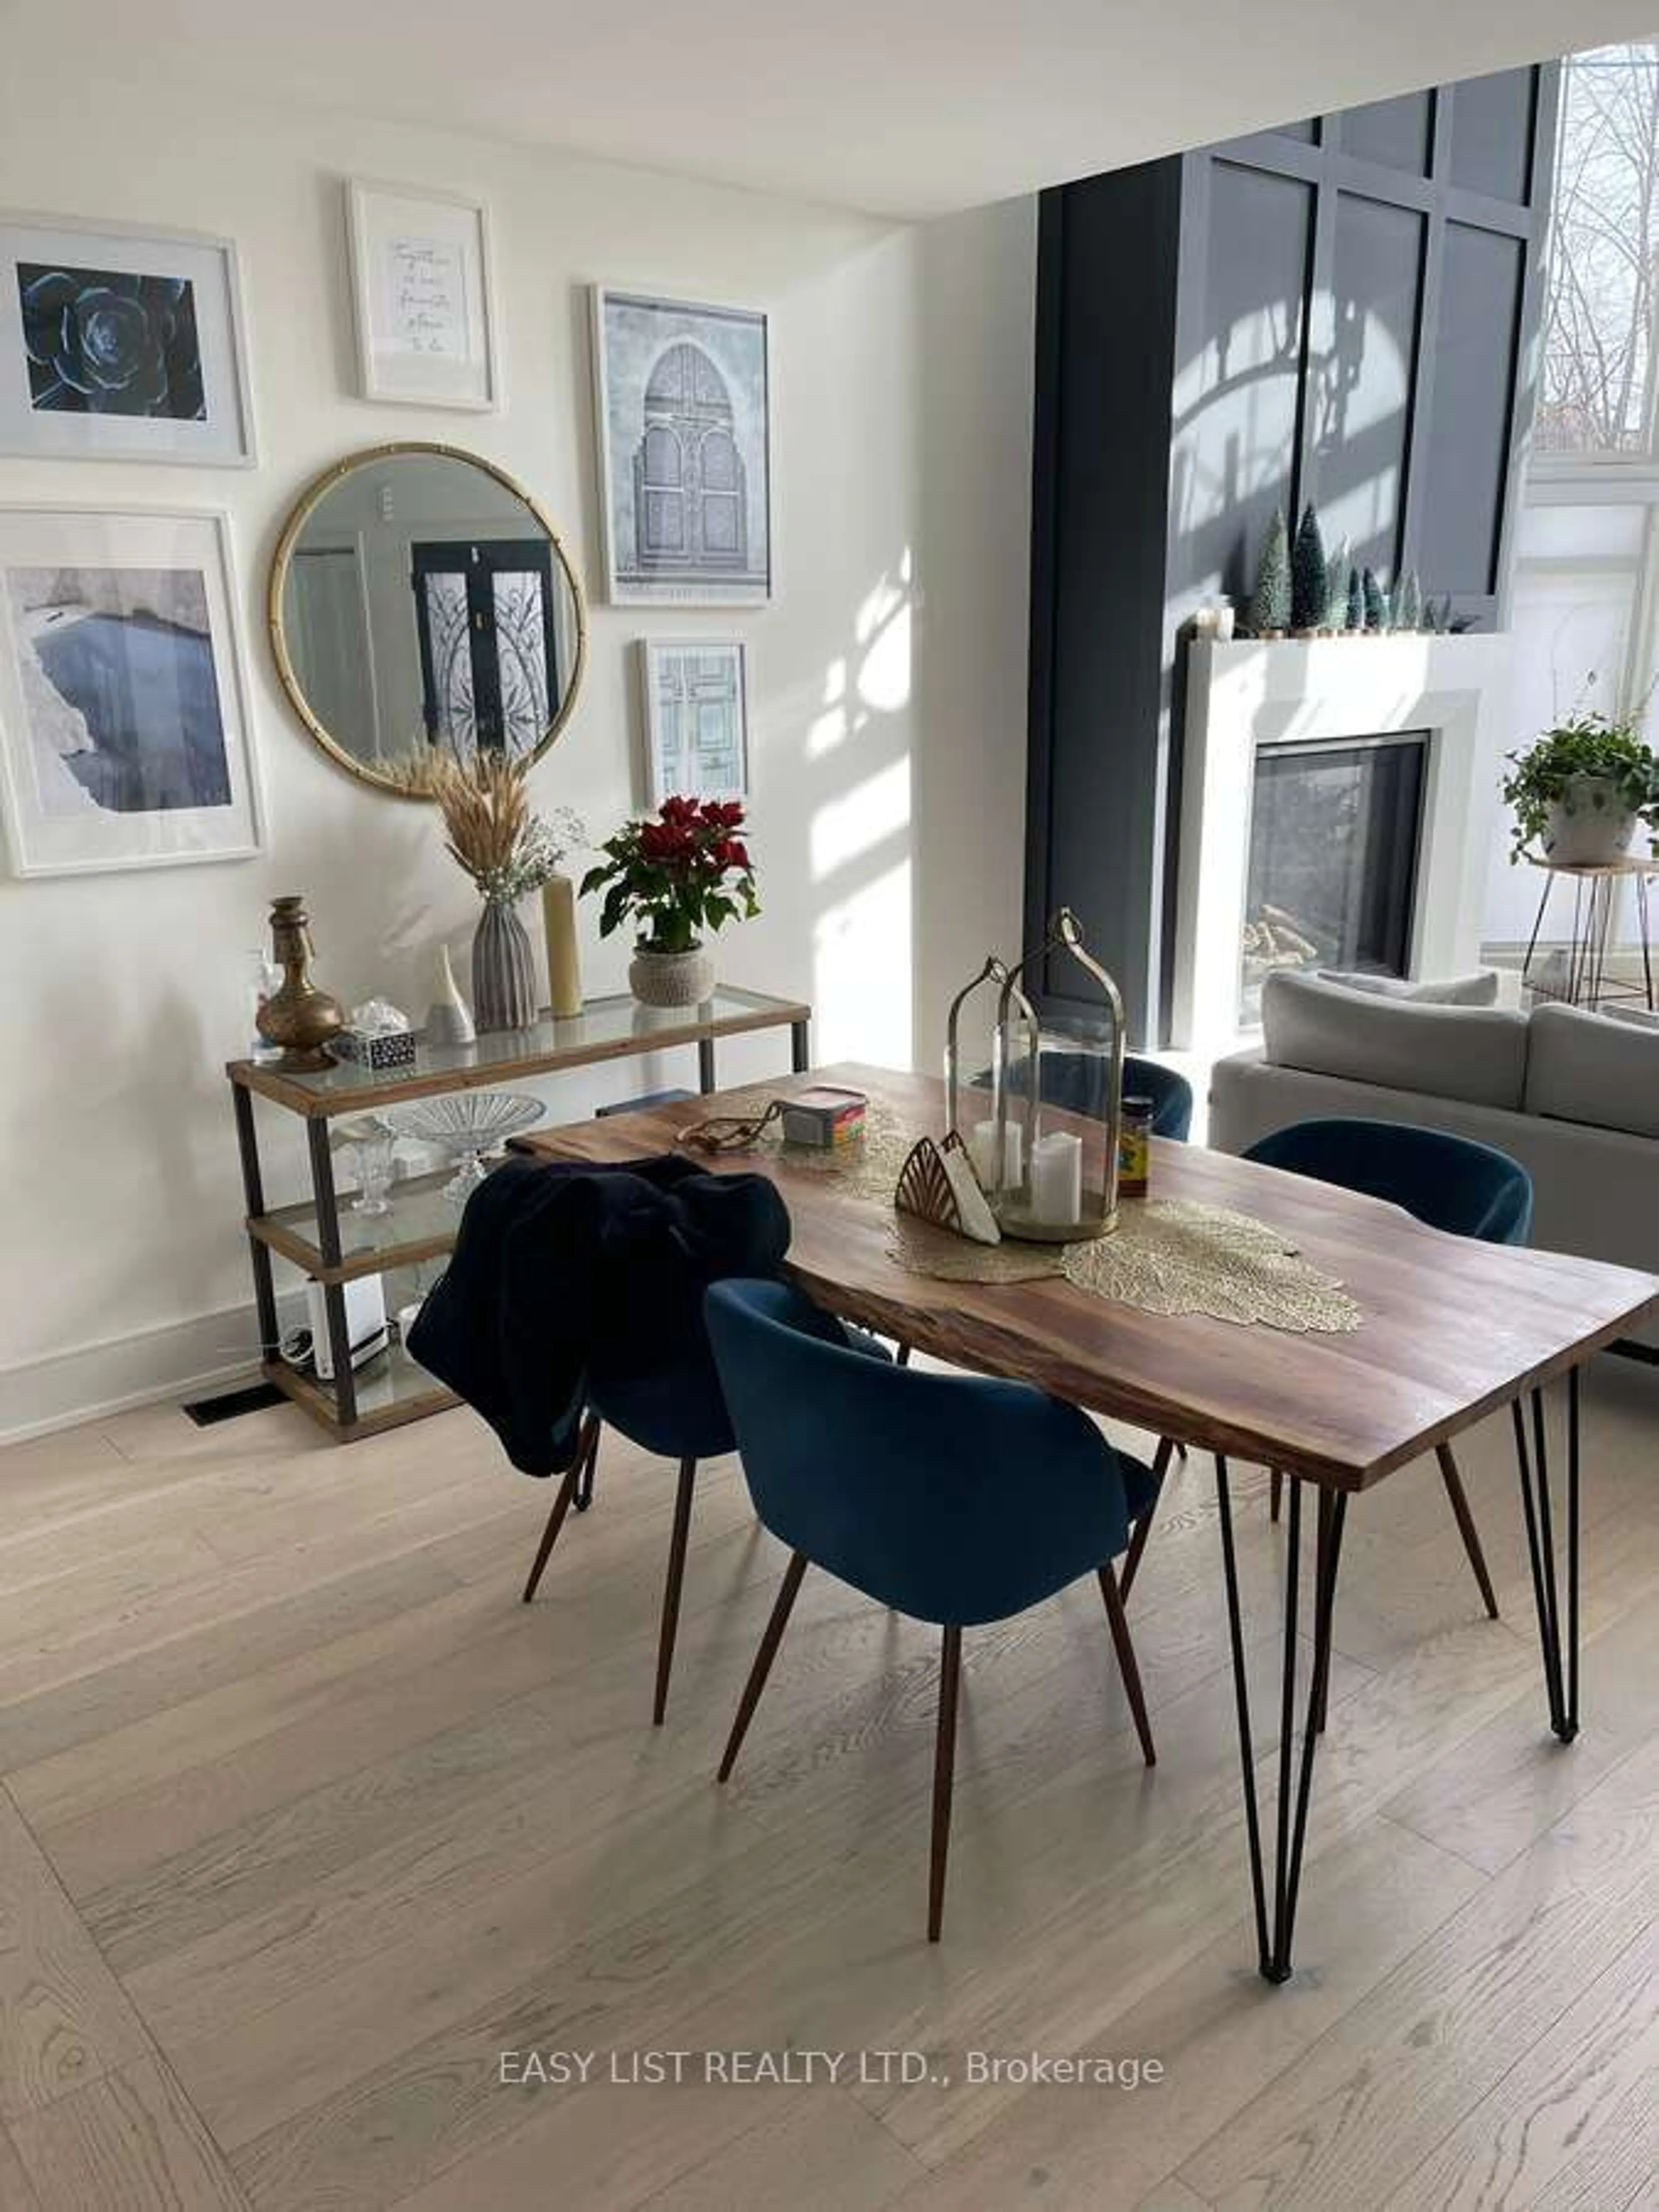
[
  {"x": 1354, "y": 619},
  {"x": 1408, "y": 605},
  {"x": 1311, "y": 583},
  {"x": 1375, "y": 602},
  {"x": 1335, "y": 616},
  {"x": 1270, "y": 602}
]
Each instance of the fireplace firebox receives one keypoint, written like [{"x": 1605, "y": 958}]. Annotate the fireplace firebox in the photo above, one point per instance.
[{"x": 1335, "y": 835}]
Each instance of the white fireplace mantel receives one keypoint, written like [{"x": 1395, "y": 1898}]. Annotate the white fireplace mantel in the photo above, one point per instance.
[{"x": 1247, "y": 693}]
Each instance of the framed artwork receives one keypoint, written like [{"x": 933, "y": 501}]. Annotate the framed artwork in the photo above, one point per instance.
[
  {"x": 121, "y": 344},
  {"x": 425, "y": 301},
  {"x": 125, "y": 737},
  {"x": 685, "y": 444},
  {"x": 697, "y": 718}
]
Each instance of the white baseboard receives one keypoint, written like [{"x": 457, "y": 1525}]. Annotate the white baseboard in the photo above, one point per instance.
[{"x": 177, "y": 1360}]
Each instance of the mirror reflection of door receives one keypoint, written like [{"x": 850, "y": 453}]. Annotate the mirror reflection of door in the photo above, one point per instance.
[
  {"x": 329, "y": 635},
  {"x": 489, "y": 656}
]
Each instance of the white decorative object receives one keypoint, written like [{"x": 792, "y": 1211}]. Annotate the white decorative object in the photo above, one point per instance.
[
  {"x": 125, "y": 736},
  {"x": 1057, "y": 1177},
  {"x": 448, "y": 1019},
  {"x": 685, "y": 460},
  {"x": 973, "y": 1209},
  {"x": 1224, "y": 618},
  {"x": 982, "y": 1149},
  {"x": 118, "y": 342},
  {"x": 425, "y": 302},
  {"x": 697, "y": 718}
]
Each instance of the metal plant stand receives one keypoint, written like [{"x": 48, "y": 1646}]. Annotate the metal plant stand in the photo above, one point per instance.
[{"x": 1585, "y": 981}]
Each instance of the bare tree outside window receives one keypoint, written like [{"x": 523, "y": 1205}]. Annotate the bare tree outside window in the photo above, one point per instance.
[{"x": 1598, "y": 386}]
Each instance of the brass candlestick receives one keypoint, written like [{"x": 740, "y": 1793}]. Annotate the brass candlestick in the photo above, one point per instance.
[{"x": 298, "y": 1017}]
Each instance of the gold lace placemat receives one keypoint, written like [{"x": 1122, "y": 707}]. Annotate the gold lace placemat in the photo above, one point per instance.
[
  {"x": 1167, "y": 1256},
  {"x": 1174, "y": 1256}
]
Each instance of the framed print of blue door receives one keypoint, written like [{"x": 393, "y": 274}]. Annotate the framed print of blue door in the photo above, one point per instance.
[{"x": 484, "y": 610}]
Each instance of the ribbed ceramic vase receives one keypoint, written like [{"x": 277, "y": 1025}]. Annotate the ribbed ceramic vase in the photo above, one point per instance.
[{"x": 503, "y": 970}]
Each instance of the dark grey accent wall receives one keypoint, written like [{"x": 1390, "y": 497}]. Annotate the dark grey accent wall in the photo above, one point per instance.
[{"x": 1340, "y": 310}]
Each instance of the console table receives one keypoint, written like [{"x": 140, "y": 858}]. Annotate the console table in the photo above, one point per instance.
[{"x": 333, "y": 1248}]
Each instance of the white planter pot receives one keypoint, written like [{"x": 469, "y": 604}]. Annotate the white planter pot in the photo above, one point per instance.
[
  {"x": 672, "y": 978},
  {"x": 1587, "y": 825}
]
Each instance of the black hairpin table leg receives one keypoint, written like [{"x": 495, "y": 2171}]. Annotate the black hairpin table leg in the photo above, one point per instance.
[
  {"x": 1276, "y": 1917},
  {"x": 1558, "y": 1637}
]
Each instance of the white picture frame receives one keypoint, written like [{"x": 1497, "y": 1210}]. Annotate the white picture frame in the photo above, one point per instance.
[
  {"x": 119, "y": 341},
  {"x": 679, "y": 386},
  {"x": 424, "y": 297},
  {"x": 130, "y": 613},
  {"x": 696, "y": 697}
]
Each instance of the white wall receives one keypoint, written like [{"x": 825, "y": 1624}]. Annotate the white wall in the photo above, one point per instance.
[{"x": 888, "y": 681}]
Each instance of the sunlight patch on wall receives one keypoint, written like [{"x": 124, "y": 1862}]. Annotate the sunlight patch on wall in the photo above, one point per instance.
[
  {"x": 861, "y": 982},
  {"x": 873, "y": 812}
]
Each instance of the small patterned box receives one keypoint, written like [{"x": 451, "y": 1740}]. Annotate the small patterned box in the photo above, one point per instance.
[{"x": 392, "y": 1048}]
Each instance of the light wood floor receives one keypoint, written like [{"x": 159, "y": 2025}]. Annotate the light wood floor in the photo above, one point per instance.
[{"x": 305, "y": 1819}]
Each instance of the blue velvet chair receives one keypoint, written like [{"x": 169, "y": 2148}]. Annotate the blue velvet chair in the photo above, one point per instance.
[
  {"x": 896, "y": 1482},
  {"x": 1067, "y": 1078},
  {"x": 1452, "y": 1184},
  {"x": 676, "y": 1411}
]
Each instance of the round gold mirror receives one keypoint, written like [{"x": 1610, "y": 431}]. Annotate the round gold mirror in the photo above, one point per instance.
[{"x": 419, "y": 600}]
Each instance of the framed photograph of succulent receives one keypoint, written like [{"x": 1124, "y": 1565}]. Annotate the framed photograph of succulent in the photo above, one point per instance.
[{"x": 121, "y": 344}]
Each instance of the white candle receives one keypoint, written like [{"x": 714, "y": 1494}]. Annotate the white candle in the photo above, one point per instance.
[
  {"x": 1057, "y": 1178},
  {"x": 1204, "y": 620},
  {"x": 982, "y": 1150},
  {"x": 1223, "y": 623}
]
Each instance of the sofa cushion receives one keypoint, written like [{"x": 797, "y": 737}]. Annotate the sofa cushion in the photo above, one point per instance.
[
  {"x": 1639, "y": 1015},
  {"x": 1478, "y": 989},
  {"x": 1582, "y": 1067},
  {"x": 1474, "y": 1052}
]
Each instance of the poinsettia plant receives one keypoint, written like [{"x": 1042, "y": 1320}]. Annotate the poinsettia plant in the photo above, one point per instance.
[{"x": 685, "y": 871}]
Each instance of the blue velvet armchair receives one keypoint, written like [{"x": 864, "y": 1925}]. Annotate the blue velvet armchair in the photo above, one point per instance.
[
  {"x": 1452, "y": 1184},
  {"x": 896, "y": 1482}
]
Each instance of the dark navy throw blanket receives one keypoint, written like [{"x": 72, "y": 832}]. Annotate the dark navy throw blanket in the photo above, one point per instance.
[{"x": 562, "y": 1266}]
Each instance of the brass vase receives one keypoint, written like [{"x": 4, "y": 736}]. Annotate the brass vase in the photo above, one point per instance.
[{"x": 298, "y": 1017}]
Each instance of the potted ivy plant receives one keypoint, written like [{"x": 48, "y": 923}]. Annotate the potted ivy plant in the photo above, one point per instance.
[
  {"x": 1581, "y": 791},
  {"x": 676, "y": 877}
]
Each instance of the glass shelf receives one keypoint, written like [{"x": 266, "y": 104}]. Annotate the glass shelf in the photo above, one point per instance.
[
  {"x": 607, "y": 1029},
  {"x": 422, "y": 1223}
]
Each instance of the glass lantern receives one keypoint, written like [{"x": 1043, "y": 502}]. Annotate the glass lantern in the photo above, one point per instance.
[
  {"x": 1051, "y": 1169},
  {"x": 970, "y": 1035}
]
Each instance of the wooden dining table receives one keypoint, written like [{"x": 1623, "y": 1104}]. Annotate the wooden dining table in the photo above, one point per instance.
[{"x": 1450, "y": 1331}]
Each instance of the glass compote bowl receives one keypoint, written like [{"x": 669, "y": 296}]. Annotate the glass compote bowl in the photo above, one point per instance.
[{"x": 467, "y": 1124}]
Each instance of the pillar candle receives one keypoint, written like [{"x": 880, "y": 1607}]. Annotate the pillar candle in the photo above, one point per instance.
[
  {"x": 982, "y": 1150},
  {"x": 1223, "y": 623},
  {"x": 1057, "y": 1178},
  {"x": 564, "y": 975}
]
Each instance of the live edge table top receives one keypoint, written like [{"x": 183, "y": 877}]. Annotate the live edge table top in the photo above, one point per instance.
[{"x": 1451, "y": 1328}]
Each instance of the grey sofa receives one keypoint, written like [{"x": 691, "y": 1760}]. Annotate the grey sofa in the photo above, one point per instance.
[{"x": 1573, "y": 1096}]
